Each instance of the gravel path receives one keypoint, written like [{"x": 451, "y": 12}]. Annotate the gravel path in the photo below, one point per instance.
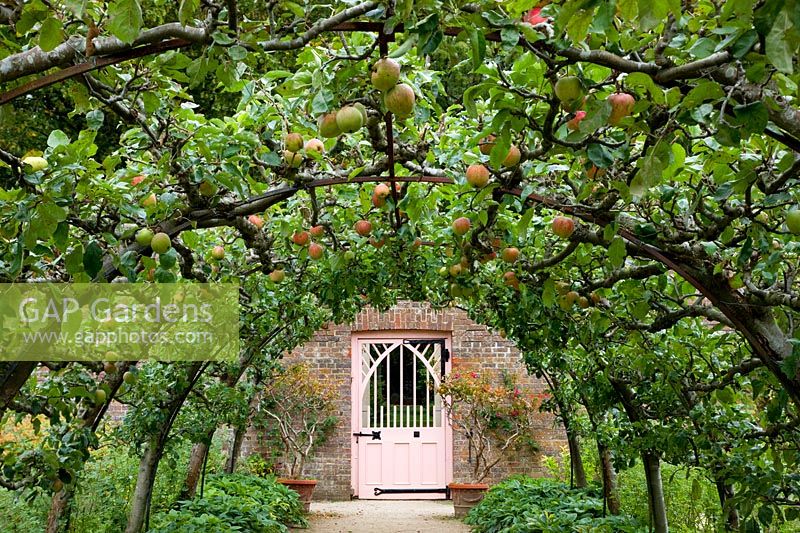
[{"x": 371, "y": 516}]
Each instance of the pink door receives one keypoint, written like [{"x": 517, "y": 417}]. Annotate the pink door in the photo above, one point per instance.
[{"x": 402, "y": 433}]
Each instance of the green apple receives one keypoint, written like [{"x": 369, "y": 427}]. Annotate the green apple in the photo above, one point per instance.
[
  {"x": 144, "y": 236},
  {"x": 161, "y": 243},
  {"x": 793, "y": 221}
]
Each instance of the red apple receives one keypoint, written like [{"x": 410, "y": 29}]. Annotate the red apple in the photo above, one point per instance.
[
  {"x": 276, "y": 276},
  {"x": 621, "y": 106},
  {"x": 301, "y": 238},
  {"x": 574, "y": 123},
  {"x": 218, "y": 253},
  {"x": 510, "y": 254},
  {"x": 478, "y": 176},
  {"x": 315, "y": 251},
  {"x": 533, "y": 17},
  {"x": 382, "y": 190},
  {"x": 563, "y": 227},
  {"x": 461, "y": 226},
  {"x": 256, "y": 220},
  {"x": 317, "y": 231},
  {"x": 137, "y": 180},
  {"x": 363, "y": 227},
  {"x": 510, "y": 279}
]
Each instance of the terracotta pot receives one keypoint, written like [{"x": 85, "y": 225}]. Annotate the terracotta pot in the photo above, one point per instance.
[
  {"x": 303, "y": 487},
  {"x": 466, "y": 496}
]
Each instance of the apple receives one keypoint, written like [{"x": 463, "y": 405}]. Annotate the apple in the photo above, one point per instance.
[
  {"x": 563, "y": 227},
  {"x": 793, "y": 221},
  {"x": 486, "y": 145},
  {"x": 399, "y": 100},
  {"x": 327, "y": 125},
  {"x": 488, "y": 257},
  {"x": 583, "y": 302},
  {"x": 574, "y": 123},
  {"x": 317, "y": 231},
  {"x": 595, "y": 298},
  {"x": 478, "y": 176},
  {"x": 562, "y": 288},
  {"x": 292, "y": 159},
  {"x": 36, "y": 163},
  {"x": 382, "y": 190},
  {"x": 277, "y": 276},
  {"x": 461, "y": 225},
  {"x": 109, "y": 367},
  {"x": 572, "y": 297},
  {"x": 510, "y": 254},
  {"x": 218, "y": 253},
  {"x": 349, "y": 255},
  {"x": 363, "y": 227},
  {"x": 293, "y": 142},
  {"x": 378, "y": 201},
  {"x": 513, "y": 157},
  {"x": 510, "y": 279},
  {"x": 160, "y": 243},
  {"x": 455, "y": 270},
  {"x": 377, "y": 243},
  {"x": 570, "y": 92},
  {"x": 363, "y": 110},
  {"x": 315, "y": 251},
  {"x": 533, "y": 17},
  {"x": 100, "y": 396},
  {"x": 385, "y": 73},
  {"x": 621, "y": 106},
  {"x": 144, "y": 236},
  {"x": 136, "y": 180},
  {"x": 256, "y": 220},
  {"x": 300, "y": 238},
  {"x": 207, "y": 189},
  {"x": 150, "y": 201},
  {"x": 349, "y": 119},
  {"x": 315, "y": 145}
]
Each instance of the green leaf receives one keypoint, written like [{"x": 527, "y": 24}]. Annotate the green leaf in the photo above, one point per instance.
[
  {"x": 125, "y": 19},
  {"x": 599, "y": 155},
  {"x": 57, "y": 138},
  {"x": 187, "y": 10},
  {"x": 778, "y": 48},
  {"x": 617, "y": 252},
  {"x": 752, "y": 117},
  {"x": 744, "y": 43},
  {"x": 51, "y": 34},
  {"x": 93, "y": 259},
  {"x": 74, "y": 260},
  {"x": 478, "y": 44}
]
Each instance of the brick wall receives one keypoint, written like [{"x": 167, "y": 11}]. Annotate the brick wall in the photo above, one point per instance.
[{"x": 474, "y": 348}]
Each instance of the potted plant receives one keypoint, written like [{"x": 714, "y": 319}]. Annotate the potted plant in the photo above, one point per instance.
[
  {"x": 495, "y": 419},
  {"x": 298, "y": 411}
]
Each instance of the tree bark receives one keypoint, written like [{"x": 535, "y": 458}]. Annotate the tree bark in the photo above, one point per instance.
[
  {"x": 609, "y": 479},
  {"x": 195, "y": 469},
  {"x": 154, "y": 449},
  {"x": 729, "y": 512},
  {"x": 236, "y": 448},
  {"x": 575, "y": 460},
  {"x": 12, "y": 377},
  {"x": 58, "y": 517},
  {"x": 655, "y": 491}
]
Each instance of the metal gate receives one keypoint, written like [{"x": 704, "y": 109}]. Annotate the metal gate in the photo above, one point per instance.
[{"x": 402, "y": 435}]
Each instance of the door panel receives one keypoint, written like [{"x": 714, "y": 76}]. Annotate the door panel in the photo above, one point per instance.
[{"x": 394, "y": 394}]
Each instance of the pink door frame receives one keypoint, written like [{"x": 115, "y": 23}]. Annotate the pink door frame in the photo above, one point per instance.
[{"x": 355, "y": 382}]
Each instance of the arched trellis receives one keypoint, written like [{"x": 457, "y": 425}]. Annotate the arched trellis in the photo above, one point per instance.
[{"x": 770, "y": 350}]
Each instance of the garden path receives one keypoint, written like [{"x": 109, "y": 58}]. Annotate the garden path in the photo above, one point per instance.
[{"x": 371, "y": 516}]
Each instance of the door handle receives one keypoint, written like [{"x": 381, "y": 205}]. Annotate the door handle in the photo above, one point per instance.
[{"x": 376, "y": 435}]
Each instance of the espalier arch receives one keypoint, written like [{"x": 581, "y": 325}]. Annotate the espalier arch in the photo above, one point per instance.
[{"x": 673, "y": 140}]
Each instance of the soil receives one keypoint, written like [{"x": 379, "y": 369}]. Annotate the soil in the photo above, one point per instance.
[{"x": 395, "y": 516}]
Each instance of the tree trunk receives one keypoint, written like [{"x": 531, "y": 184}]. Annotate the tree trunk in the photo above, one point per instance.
[
  {"x": 144, "y": 485},
  {"x": 729, "y": 512},
  {"x": 236, "y": 448},
  {"x": 655, "y": 491},
  {"x": 575, "y": 460},
  {"x": 58, "y": 517},
  {"x": 196, "y": 461},
  {"x": 12, "y": 377},
  {"x": 609, "y": 479},
  {"x": 154, "y": 449}
]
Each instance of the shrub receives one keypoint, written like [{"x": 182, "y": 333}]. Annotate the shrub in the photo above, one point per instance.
[
  {"x": 235, "y": 502},
  {"x": 524, "y": 505}
]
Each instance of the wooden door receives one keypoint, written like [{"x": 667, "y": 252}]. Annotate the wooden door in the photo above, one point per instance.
[{"x": 400, "y": 427}]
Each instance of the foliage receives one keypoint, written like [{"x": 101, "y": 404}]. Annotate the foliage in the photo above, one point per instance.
[
  {"x": 524, "y": 505},
  {"x": 496, "y": 419},
  {"x": 235, "y": 502},
  {"x": 299, "y": 410}
]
